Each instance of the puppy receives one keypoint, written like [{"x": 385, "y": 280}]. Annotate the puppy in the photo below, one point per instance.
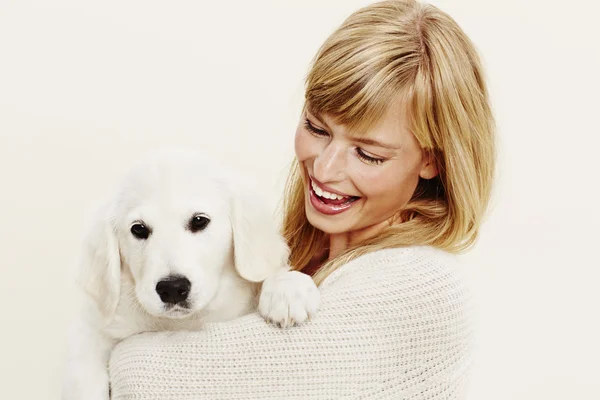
[{"x": 182, "y": 242}]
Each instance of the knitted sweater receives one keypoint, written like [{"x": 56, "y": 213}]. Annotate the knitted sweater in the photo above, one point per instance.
[{"x": 393, "y": 324}]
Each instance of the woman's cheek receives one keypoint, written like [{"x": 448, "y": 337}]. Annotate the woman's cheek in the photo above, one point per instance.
[
  {"x": 303, "y": 145},
  {"x": 298, "y": 144}
]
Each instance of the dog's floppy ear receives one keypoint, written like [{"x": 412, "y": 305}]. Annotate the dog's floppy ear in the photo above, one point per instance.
[
  {"x": 100, "y": 263},
  {"x": 259, "y": 249}
]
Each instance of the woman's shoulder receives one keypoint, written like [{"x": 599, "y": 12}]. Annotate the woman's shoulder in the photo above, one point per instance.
[
  {"x": 400, "y": 265},
  {"x": 400, "y": 281}
]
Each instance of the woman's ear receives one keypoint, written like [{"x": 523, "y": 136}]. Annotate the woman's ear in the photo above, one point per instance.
[
  {"x": 100, "y": 264},
  {"x": 258, "y": 247},
  {"x": 429, "y": 168}
]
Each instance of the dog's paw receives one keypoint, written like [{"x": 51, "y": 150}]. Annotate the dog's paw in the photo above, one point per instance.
[{"x": 288, "y": 298}]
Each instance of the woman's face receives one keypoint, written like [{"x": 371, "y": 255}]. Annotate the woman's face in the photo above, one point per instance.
[{"x": 375, "y": 172}]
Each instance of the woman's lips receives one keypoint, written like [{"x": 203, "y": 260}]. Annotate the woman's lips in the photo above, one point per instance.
[{"x": 329, "y": 209}]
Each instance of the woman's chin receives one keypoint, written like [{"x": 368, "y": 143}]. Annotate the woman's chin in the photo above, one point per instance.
[{"x": 324, "y": 223}]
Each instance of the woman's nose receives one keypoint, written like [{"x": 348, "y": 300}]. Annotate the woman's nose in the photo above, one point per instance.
[{"x": 329, "y": 165}]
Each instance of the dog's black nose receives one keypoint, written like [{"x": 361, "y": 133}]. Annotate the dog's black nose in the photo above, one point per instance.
[{"x": 173, "y": 289}]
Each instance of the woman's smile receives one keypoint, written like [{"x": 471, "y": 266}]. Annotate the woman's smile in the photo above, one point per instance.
[{"x": 328, "y": 203}]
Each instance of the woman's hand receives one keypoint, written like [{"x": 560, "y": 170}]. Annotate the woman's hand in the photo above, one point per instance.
[{"x": 288, "y": 298}]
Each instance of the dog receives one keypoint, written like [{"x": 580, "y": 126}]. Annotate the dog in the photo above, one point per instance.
[{"x": 182, "y": 242}]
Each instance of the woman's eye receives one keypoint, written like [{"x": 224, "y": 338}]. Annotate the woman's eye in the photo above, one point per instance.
[
  {"x": 317, "y": 132},
  {"x": 371, "y": 160},
  {"x": 140, "y": 231},
  {"x": 361, "y": 154}
]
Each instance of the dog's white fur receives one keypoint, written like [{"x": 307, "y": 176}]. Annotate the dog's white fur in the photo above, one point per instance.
[{"x": 225, "y": 263}]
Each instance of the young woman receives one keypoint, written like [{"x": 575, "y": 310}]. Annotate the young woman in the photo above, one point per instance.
[{"x": 393, "y": 173}]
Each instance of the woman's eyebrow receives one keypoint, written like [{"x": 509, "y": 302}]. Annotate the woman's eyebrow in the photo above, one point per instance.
[
  {"x": 317, "y": 116},
  {"x": 375, "y": 143}
]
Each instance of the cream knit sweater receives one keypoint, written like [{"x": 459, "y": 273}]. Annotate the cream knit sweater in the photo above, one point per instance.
[{"x": 393, "y": 324}]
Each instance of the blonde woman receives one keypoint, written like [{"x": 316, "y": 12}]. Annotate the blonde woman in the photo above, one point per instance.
[{"x": 393, "y": 172}]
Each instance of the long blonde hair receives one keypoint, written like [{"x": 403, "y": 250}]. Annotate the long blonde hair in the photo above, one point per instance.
[{"x": 380, "y": 51}]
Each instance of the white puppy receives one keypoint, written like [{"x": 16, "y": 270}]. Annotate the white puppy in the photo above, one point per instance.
[{"x": 181, "y": 243}]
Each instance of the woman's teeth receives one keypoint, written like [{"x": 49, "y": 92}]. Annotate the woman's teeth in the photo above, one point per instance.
[{"x": 322, "y": 193}]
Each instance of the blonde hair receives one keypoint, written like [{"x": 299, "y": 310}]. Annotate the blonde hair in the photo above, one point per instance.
[{"x": 381, "y": 51}]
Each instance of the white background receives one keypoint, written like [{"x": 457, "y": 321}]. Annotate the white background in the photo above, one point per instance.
[{"x": 88, "y": 87}]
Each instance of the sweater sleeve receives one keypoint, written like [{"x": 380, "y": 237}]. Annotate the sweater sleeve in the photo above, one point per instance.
[{"x": 393, "y": 324}]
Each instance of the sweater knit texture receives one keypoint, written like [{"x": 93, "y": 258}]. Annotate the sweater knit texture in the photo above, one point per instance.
[{"x": 393, "y": 324}]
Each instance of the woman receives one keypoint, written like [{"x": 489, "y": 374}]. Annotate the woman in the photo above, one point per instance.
[{"x": 393, "y": 172}]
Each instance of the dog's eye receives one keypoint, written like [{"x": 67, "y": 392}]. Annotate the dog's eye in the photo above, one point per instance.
[
  {"x": 140, "y": 231},
  {"x": 198, "y": 222}
]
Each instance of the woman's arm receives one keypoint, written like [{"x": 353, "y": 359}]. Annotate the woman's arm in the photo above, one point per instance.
[{"x": 393, "y": 324}]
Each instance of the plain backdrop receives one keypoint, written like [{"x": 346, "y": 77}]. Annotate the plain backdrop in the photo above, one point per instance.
[{"x": 88, "y": 87}]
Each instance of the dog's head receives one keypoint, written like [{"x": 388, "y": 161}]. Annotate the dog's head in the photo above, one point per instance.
[{"x": 175, "y": 224}]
